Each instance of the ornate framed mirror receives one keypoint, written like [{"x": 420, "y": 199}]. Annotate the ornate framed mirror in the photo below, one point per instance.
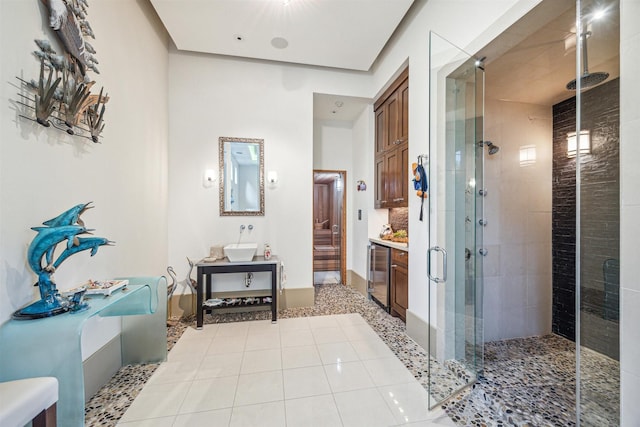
[{"x": 241, "y": 176}]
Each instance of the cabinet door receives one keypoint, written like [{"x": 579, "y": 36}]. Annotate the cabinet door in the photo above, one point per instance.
[
  {"x": 380, "y": 174},
  {"x": 394, "y": 117},
  {"x": 382, "y": 134},
  {"x": 391, "y": 177},
  {"x": 402, "y": 185},
  {"x": 399, "y": 286},
  {"x": 396, "y": 164},
  {"x": 403, "y": 122}
]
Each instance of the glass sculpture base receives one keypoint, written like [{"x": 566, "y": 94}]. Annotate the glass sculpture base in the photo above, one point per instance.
[{"x": 39, "y": 310}]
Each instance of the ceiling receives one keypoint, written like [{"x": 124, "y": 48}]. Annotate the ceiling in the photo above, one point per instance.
[
  {"x": 338, "y": 108},
  {"x": 347, "y": 34},
  {"x": 533, "y": 60}
]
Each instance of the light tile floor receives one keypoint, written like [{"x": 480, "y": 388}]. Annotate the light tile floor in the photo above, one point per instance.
[{"x": 319, "y": 371}]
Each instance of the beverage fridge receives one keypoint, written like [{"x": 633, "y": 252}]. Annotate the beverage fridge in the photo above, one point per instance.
[{"x": 378, "y": 286}]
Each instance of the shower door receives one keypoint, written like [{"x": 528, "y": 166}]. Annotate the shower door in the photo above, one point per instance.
[{"x": 454, "y": 259}]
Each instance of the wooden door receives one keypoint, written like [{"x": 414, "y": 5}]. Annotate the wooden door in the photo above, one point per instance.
[{"x": 321, "y": 203}]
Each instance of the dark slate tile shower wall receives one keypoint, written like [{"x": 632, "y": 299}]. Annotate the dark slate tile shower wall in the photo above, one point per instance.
[{"x": 600, "y": 221}]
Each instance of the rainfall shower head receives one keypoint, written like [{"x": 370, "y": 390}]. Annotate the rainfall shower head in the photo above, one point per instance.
[
  {"x": 493, "y": 149},
  {"x": 587, "y": 79}
]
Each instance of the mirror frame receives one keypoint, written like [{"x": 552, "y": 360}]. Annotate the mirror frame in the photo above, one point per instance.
[{"x": 221, "y": 142}]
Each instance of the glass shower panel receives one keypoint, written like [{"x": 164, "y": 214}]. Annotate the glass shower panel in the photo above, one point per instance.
[
  {"x": 455, "y": 256},
  {"x": 598, "y": 213}
]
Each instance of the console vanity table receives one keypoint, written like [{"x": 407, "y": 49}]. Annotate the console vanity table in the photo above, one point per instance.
[
  {"x": 205, "y": 283},
  {"x": 52, "y": 346}
]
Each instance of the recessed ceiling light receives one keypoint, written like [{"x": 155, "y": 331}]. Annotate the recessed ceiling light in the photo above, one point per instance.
[{"x": 279, "y": 43}]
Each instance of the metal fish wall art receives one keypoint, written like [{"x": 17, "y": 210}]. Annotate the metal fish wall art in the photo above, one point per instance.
[{"x": 62, "y": 96}]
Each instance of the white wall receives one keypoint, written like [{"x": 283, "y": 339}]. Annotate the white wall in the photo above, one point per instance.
[
  {"x": 363, "y": 155},
  {"x": 517, "y": 268},
  {"x": 213, "y": 96},
  {"x": 629, "y": 211},
  {"x": 44, "y": 172}
]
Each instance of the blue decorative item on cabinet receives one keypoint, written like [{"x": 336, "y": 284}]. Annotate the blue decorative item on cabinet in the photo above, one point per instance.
[{"x": 66, "y": 227}]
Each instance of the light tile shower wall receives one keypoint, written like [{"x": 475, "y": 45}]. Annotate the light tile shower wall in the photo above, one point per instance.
[
  {"x": 517, "y": 269},
  {"x": 629, "y": 211}
]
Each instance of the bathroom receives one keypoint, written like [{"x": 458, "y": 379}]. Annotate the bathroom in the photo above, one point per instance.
[{"x": 178, "y": 216}]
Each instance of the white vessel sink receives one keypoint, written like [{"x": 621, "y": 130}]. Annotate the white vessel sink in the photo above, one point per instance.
[{"x": 240, "y": 252}]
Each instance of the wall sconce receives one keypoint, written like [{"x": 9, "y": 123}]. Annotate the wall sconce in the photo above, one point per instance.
[
  {"x": 272, "y": 178},
  {"x": 209, "y": 178},
  {"x": 572, "y": 143}
]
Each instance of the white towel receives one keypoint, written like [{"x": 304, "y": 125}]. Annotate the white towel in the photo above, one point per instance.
[{"x": 283, "y": 276}]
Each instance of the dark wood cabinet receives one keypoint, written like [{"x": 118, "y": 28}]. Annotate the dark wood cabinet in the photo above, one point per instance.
[
  {"x": 399, "y": 283},
  {"x": 379, "y": 188},
  {"x": 392, "y": 145}
]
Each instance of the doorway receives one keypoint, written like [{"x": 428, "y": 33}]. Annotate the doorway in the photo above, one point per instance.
[{"x": 329, "y": 226}]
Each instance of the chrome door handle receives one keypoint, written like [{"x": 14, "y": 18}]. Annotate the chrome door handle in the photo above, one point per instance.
[{"x": 444, "y": 264}]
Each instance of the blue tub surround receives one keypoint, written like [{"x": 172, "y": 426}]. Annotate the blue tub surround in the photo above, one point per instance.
[
  {"x": 52, "y": 346},
  {"x": 205, "y": 284}
]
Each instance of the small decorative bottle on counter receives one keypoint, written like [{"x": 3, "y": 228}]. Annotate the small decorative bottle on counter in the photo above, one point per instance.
[{"x": 267, "y": 251}]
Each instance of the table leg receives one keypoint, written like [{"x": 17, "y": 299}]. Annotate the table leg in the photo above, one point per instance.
[
  {"x": 199, "y": 291},
  {"x": 274, "y": 294}
]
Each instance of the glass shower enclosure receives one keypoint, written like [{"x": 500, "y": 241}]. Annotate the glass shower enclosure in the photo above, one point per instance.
[{"x": 454, "y": 259}]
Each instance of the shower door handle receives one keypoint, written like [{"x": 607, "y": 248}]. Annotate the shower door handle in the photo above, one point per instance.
[{"x": 444, "y": 264}]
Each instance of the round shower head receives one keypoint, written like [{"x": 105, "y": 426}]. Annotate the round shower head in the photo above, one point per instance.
[
  {"x": 493, "y": 149},
  {"x": 588, "y": 80}
]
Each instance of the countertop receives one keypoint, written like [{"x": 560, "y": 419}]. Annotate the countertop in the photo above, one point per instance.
[
  {"x": 257, "y": 259},
  {"x": 389, "y": 243}
]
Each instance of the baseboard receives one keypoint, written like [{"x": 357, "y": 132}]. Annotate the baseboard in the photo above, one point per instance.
[
  {"x": 421, "y": 332},
  {"x": 101, "y": 366},
  {"x": 357, "y": 282},
  {"x": 296, "y": 297}
]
